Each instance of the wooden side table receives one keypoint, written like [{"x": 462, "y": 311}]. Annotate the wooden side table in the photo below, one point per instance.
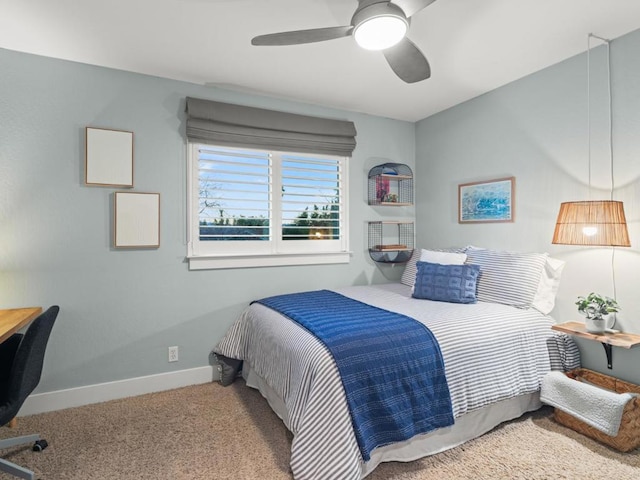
[{"x": 608, "y": 340}]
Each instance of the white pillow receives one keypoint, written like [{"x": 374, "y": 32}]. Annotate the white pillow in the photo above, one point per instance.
[
  {"x": 545, "y": 298},
  {"x": 409, "y": 275},
  {"x": 443, "y": 258}
]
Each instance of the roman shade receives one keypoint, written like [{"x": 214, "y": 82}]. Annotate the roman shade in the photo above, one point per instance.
[{"x": 249, "y": 127}]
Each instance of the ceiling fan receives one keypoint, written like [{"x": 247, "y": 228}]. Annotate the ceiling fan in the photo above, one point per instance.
[{"x": 376, "y": 25}]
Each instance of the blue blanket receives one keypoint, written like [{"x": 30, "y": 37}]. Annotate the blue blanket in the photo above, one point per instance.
[{"x": 390, "y": 365}]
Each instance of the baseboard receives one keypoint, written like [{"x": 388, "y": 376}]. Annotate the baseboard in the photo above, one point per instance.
[{"x": 102, "y": 392}]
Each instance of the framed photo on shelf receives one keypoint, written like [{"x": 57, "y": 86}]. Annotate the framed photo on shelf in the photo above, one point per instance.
[
  {"x": 487, "y": 202},
  {"x": 108, "y": 157},
  {"x": 136, "y": 220}
]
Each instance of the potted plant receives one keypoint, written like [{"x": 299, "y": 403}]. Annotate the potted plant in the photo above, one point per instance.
[{"x": 595, "y": 308}]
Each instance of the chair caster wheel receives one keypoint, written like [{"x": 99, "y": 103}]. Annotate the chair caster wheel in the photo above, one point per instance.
[{"x": 40, "y": 445}]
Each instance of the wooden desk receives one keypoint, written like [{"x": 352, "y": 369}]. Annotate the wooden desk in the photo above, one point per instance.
[{"x": 13, "y": 319}]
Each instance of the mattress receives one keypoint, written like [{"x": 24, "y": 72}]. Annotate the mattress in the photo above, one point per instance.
[{"x": 495, "y": 357}]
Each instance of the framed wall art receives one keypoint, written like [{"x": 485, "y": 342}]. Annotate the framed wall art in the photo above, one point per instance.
[
  {"x": 486, "y": 202},
  {"x": 108, "y": 157},
  {"x": 136, "y": 220}
]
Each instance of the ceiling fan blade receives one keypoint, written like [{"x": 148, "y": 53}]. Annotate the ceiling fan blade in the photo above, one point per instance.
[
  {"x": 411, "y": 7},
  {"x": 302, "y": 36},
  {"x": 407, "y": 61}
]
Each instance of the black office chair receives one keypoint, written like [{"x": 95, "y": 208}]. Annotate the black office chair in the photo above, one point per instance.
[{"x": 21, "y": 360}]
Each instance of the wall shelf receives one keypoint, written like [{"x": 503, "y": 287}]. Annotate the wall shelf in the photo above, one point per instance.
[
  {"x": 615, "y": 339},
  {"x": 391, "y": 184},
  {"x": 391, "y": 242}
]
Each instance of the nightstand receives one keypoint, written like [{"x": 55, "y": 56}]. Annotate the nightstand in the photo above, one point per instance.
[{"x": 608, "y": 340}]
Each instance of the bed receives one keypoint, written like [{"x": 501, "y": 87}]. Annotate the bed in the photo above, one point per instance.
[{"x": 495, "y": 355}]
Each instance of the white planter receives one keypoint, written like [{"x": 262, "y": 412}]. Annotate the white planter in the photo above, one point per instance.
[{"x": 595, "y": 325}]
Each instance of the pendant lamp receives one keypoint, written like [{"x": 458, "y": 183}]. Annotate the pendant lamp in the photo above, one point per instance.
[{"x": 593, "y": 222}]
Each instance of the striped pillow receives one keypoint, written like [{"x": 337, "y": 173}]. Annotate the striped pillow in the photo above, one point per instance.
[
  {"x": 409, "y": 275},
  {"x": 510, "y": 278}
]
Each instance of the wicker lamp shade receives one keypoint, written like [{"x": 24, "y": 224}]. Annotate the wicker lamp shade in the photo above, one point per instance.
[{"x": 594, "y": 223}]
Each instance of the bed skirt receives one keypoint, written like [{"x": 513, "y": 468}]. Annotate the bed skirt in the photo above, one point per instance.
[{"x": 466, "y": 427}]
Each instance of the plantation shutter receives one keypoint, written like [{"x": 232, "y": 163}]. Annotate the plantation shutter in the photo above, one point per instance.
[
  {"x": 234, "y": 194},
  {"x": 231, "y": 125},
  {"x": 312, "y": 204}
]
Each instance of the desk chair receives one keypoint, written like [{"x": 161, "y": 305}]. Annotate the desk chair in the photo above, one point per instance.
[{"x": 21, "y": 360}]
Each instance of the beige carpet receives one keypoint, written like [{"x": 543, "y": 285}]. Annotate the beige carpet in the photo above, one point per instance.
[{"x": 212, "y": 432}]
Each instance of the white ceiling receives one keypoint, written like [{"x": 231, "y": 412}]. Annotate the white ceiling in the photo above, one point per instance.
[{"x": 473, "y": 46}]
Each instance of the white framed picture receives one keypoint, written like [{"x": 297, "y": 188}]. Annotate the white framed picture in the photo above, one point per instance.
[
  {"x": 136, "y": 220},
  {"x": 109, "y": 157}
]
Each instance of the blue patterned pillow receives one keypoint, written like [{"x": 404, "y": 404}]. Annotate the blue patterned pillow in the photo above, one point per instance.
[{"x": 446, "y": 283}]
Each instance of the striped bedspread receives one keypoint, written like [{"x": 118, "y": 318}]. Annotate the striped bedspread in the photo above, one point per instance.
[
  {"x": 390, "y": 365},
  {"x": 491, "y": 352}
]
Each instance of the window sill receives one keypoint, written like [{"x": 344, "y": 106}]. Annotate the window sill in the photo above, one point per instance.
[{"x": 249, "y": 261}]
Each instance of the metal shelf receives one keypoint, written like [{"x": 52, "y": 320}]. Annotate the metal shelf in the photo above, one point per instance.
[
  {"x": 391, "y": 184},
  {"x": 391, "y": 242}
]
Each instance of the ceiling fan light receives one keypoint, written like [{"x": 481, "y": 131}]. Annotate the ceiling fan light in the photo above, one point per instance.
[{"x": 380, "y": 32}]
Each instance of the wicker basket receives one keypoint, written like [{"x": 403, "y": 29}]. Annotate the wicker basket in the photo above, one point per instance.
[{"x": 628, "y": 437}]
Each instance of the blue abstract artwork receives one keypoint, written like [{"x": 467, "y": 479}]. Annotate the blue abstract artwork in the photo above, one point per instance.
[{"x": 486, "y": 201}]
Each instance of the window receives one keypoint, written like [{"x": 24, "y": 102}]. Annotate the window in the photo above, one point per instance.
[
  {"x": 252, "y": 207},
  {"x": 252, "y": 204}
]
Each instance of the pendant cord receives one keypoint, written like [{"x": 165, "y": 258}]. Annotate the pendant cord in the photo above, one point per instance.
[
  {"x": 611, "y": 171},
  {"x": 610, "y": 116},
  {"x": 613, "y": 249},
  {"x": 589, "y": 110}
]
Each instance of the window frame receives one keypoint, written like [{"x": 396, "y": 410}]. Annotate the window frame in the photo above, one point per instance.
[{"x": 274, "y": 252}]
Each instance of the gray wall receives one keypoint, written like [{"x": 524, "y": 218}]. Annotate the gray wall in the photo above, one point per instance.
[
  {"x": 120, "y": 310},
  {"x": 536, "y": 130}
]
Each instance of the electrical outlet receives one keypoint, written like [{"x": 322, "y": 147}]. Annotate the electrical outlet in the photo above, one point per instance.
[{"x": 173, "y": 354}]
